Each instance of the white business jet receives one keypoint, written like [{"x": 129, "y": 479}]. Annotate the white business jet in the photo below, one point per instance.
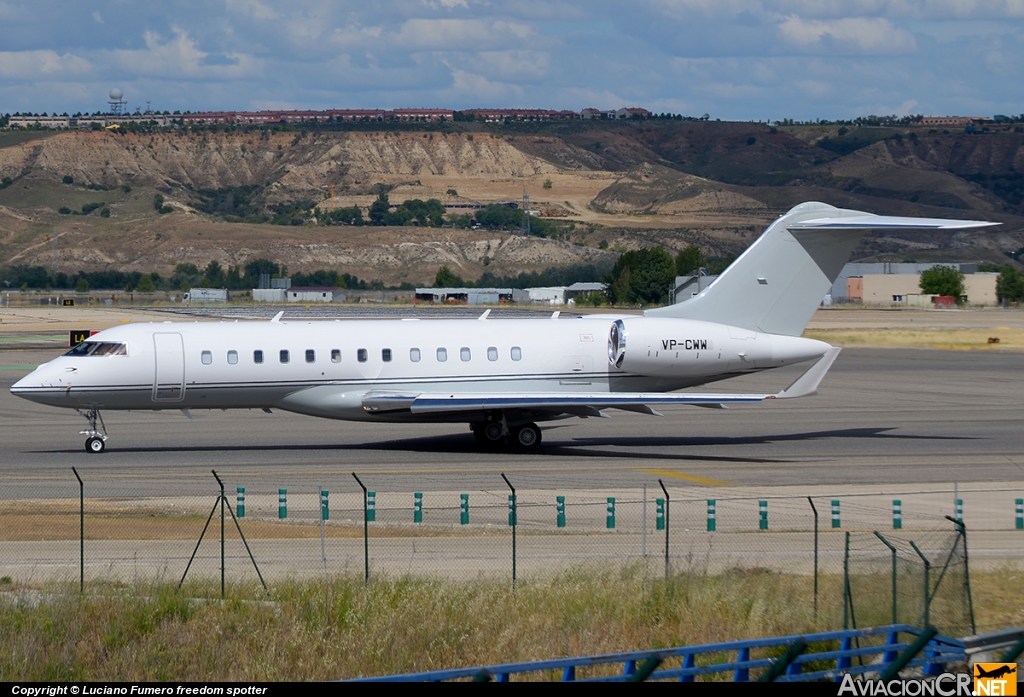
[{"x": 499, "y": 376}]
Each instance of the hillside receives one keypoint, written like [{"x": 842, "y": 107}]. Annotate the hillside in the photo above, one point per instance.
[{"x": 629, "y": 184}]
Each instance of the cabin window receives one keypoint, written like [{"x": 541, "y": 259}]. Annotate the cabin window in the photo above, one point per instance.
[
  {"x": 284, "y": 356},
  {"x": 232, "y": 357},
  {"x": 361, "y": 355},
  {"x": 257, "y": 356},
  {"x": 310, "y": 356},
  {"x": 442, "y": 355},
  {"x": 385, "y": 355},
  {"x": 414, "y": 355},
  {"x": 492, "y": 353},
  {"x": 207, "y": 357},
  {"x": 335, "y": 355},
  {"x": 517, "y": 353},
  {"x": 465, "y": 353}
]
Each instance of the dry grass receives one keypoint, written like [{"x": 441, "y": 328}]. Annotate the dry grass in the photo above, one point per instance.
[
  {"x": 41, "y": 521},
  {"x": 336, "y": 629},
  {"x": 967, "y": 339}
]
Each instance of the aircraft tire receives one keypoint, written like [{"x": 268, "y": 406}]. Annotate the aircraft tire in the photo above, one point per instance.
[
  {"x": 95, "y": 445},
  {"x": 493, "y": 434},
  {"x": 526, "y": 437}
]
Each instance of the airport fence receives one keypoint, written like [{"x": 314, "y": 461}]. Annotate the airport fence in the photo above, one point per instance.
[{"x": 865, "y": 557}]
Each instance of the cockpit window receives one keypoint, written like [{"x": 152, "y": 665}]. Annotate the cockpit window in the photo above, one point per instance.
[{"x": 98, "y": 348}]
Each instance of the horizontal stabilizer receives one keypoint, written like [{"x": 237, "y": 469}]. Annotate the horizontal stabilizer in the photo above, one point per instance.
[{"x": 887, "y": 222}]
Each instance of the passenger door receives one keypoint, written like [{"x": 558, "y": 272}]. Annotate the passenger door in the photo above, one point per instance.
[{"x": 169, "y": 376}]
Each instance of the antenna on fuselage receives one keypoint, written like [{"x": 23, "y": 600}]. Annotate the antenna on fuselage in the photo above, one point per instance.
[
  {"x": 484, "y": 315},
  {"x": 278, "y": 316}
]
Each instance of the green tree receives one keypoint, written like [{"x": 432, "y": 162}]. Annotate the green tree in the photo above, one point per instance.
[
  {"x": 68, "y": 179},
  {"x": 689, "y": 260},
  {"x": 379, "y": 209},
  {"x": 943, "y": 280},
  {"x": 445, "y": 278},
  {"x": 82, "y": 286},
  {"x": 214, "y": 273},
  {"x": 146, "y": 284},
  {"x": 1010, "y": 285},
  {"x": 642, "y": 276}
]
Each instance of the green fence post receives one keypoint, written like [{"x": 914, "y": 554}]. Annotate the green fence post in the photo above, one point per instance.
[
  {"x": 763, "y": 524},
  {"x": 512, "y": 521},
  {"x": 464, "y": 506},
  {"x": 371, "y": 506},
  {"x": 897, "y": 514},
  {"x": 836, "y": 523},
  {"x": 417, "y": 507},
  {"x": 282, "y": 503},
  {"x": 610, "y": 522},
  {"x": 892, "y": 551},
  {"x": 560, "y": 510},
  {"x": 959, "y": 510},
  {"x": 927, "y": 584},
  {"x": 368, "y": 496},
  {"x": 1020, "y": 514},
  {"x": 659, "y": 514},
  {"x": 81, "y": 532},
  {"x": 240, "y": 505},
  {"x": 712, "y": 516},
  {"x": 325, "y": 511}
]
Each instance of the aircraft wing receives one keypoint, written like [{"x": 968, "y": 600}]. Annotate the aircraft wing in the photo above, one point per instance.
[{"x": 583, "y": 403}]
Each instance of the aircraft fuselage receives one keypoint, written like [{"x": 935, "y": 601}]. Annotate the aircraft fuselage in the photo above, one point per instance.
[{"x": 325, "y": 368}]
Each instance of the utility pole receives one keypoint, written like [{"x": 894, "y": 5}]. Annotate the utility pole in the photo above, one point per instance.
[{"x": 524, "y": 225}]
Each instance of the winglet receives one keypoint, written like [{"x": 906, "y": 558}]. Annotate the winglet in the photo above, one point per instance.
[
  {"x": 807, "y": 384},
  {"x": 278, "y": 316}
]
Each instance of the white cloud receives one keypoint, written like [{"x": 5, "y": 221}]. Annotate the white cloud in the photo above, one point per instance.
[
  {"x": 861, "y": 34},
  {"x": 97, "y": 16},
  {"x": 27, "y": 65},
  {"x": 457, "y": 34},
  {"x": 177, "y": 57}
]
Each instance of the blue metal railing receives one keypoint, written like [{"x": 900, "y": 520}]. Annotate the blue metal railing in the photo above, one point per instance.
[{"x": 881, "y": 646}]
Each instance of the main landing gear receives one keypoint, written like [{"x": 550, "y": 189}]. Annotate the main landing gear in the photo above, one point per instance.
[
  {"x": 494, "y": 434},
  {"x": 96, "y": 440}
]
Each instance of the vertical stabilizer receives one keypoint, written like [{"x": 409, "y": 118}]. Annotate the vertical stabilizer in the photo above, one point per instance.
[{"x": 776, "y": 285}]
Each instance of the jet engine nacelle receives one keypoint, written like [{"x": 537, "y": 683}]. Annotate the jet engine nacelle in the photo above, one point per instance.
[{"x": 663, "y": 347}]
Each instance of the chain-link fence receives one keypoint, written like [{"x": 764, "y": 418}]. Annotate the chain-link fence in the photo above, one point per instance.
[{"x": 124, "y": 527}]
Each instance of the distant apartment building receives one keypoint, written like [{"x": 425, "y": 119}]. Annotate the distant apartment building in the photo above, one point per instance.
[
  {"x": 952, "y": 121},
  {"x": 32, "y": 121},
  {"x": 521, "y": 114}
]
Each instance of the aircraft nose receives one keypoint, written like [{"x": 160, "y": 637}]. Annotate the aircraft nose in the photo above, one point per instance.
[{"x": 38, "y": 386}]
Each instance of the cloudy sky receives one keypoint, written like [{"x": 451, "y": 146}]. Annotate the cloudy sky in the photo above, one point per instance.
[{"x": 734, "y": 59}]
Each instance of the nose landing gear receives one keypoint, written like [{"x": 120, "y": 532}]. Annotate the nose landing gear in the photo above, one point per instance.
[{"x": 96, "y": 440}]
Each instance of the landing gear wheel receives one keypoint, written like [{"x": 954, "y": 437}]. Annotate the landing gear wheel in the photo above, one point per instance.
[
  {"x": 489, "y": 435},
  {"x": 526, "y": 437},
  {"x": 96, "y": 438}
]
